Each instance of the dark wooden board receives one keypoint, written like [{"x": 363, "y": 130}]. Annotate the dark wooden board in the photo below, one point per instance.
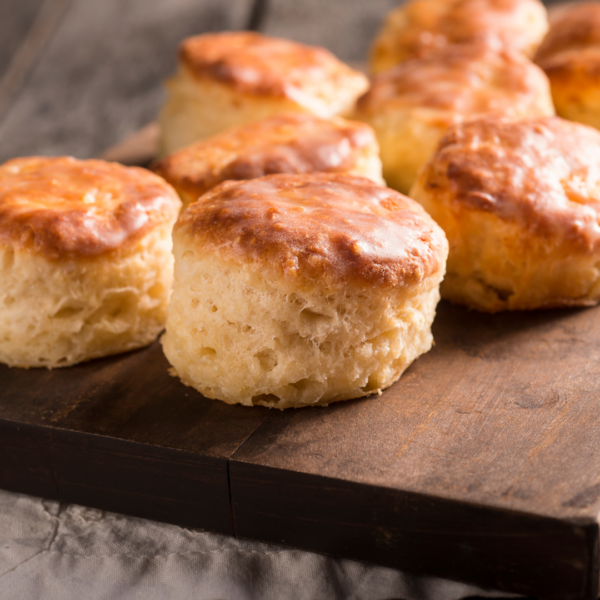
[
  {"x": 503, "y": 412},
  {"x": 121, "y": 434},
  {"x": 26, "y": 463},
  {"x": 482, "y": 464},
  {"x": 420, "y": 534}
]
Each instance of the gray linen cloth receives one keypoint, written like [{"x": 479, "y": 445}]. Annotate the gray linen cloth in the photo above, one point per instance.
[{"x": 52, "y": 551}]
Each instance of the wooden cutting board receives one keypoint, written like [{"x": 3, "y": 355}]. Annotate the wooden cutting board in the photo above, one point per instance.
[{"x": 482, "y": 464}]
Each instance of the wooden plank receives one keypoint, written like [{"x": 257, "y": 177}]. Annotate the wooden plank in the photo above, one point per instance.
[
  {"x": 41, "y": 24},
  {"x": 139, "y": 149},
  {"x": 423, "y": 535},
  {"x": 26, "y": 463},
  {"x": 346, "y": 27},
  {"x": 121, "y": 434},
  {"x": 99, "y": 78},
  {"x": 482, "y": 460},
  {"x": 189, "y": 489},
  {"x": 16, "y": 20},
  {"x": 504, "y": 413}
]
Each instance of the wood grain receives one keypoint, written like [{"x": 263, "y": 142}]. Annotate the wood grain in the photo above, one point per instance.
[
  {"x": 99, "y": 77},
  {"x": 42, "y": 20},
  {"x": 121, "y": 434},
  {"x": 26, "y": 462},
  {"x": 424, "y": 535},
  {"x": 504, "y": 414},
  {"x": 16, "y": 19},
  {"x": 347, "y": 28}
]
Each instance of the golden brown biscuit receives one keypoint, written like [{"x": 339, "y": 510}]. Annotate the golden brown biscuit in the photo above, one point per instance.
[
  {"x": 85, "y": 259},
  {"x": 420, "y": 26},
  {"x": 411, "y": 106},
  {"x": 284, "y": 143},
  {"x": 520, "y": 204},
  {"x": 228, "y": 79},
  {"x": 294, "y": 290},
  {"x": 570, "y": 56}
]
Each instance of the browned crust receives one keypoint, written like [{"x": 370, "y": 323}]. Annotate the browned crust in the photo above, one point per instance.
[
  {"x": 570, "y": 53},
  {"x": 572, "y": 66},
  {"x": 284, "y": 143},
  {"x": 572, "y": 27},
  {"x": 259, "y": 65},
  {"x": 541, "y": 173},
  {"x": 432, "y": 24},
  {"x": 65, "y": 208},
  {"x": 464, "y": 79},
  {"x": 320, "y": 227}
]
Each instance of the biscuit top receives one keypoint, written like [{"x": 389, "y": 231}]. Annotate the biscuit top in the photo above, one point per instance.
[
  {"x": 336, "y": 228},
  {"x": 573, "y": 39},
  {"x": 572, "y": 27},
  {"x": 284, "y": 143},
  {"x": 420, "y": 26},
  {"x": 465, "y": 80},
  {"x": 258, "y": 65},
  {"x": 543, "y": 173},
  {"x": 66, "y": 208}
]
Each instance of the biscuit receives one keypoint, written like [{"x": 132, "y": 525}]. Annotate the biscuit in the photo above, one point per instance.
[
  {"x": 85, "y": 257},
  {"x": 296, "y": 290},
  {"x": 228, "y": 79},
  {"x": 284, "y": 143},
  {"x": 520, "y": 203},
  {"x": 411, "y": 106},
  {"x": 420, "y": 26},
  {"x": 570, "y": 56}
]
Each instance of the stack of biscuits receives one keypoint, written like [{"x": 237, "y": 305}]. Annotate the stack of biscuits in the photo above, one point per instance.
[{"x": 264, "y": 240}]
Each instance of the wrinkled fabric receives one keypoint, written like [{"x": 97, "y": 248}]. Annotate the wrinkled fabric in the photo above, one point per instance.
[{"x": 51, "y": 551}]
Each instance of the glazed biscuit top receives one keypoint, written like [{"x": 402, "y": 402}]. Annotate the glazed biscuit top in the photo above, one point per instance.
[
  {"x": 574, "y": 36},
  {"x": 422, "y": 25},
  {"x": 465, "y": 79},
  {"x": 337, "y": 228},
  {"x": 542, "y": 173},
  {"x": 66, "y": 208},
  {"x": 284, "y": 143},
  {"x": 258, "y": 65}
]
